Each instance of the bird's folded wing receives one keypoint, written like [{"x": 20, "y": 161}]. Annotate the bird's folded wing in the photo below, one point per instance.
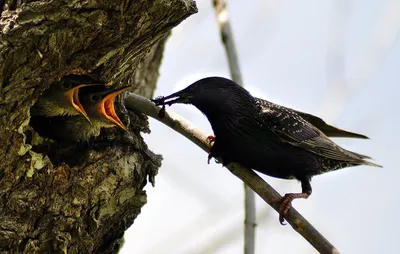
[
  {"x": 291, "y": 128},
  {"x": 327, "y": 129},
  {"x": 317, "y": 122}
]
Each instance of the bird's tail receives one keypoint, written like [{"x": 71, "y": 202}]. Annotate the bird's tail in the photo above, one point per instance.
[
  {"x": 371, "y": 164},
  {"x": 362, "y": 158},
  {"x": 332, "y": 131},
  {"x": 327, "y": 129}
]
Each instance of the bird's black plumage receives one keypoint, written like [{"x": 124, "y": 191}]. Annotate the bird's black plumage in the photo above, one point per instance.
[{"x": 266, "y": 137}]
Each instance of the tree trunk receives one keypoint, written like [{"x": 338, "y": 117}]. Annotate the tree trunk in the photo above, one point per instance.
[{"x": 81, "y": 198}]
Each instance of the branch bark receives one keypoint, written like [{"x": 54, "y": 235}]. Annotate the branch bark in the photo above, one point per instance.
[
  {"x": 228, "y": 41},
  {"x": 78, "y": 198},
  {"x": 249, "y": 177}
]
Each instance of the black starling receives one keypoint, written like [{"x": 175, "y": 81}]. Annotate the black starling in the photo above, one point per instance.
[
  {"x": 62, "y": 98},
  {"x": 98, "y": 102},
  {"x": 266, "y": 137}
]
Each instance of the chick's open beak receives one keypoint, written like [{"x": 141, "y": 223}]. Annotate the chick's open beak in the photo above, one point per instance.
[
  {"x": 73, "y": 97},
  {"x": 107, "y": 108}
]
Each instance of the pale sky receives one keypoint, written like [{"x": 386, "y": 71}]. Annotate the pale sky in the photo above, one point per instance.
[{"x": 337, "y": 59}]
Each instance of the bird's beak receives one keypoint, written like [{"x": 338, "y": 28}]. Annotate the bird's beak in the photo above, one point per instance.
[
  {"x": 178, "y": 97},
  {"x": 107, "y": 109},
  {"x": 73, "y": 97}
]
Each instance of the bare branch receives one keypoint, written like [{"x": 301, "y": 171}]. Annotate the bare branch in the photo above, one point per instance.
[
  {"x": 230, "y": 234},
  {"x": 250, "y": 178},
  {"x": 228, "y": 41}
]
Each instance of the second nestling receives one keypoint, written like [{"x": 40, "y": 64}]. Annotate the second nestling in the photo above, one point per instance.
[{"x": 76, "y": 109}]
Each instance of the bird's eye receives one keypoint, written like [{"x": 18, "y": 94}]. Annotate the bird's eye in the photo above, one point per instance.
[
  {"x": 95, "y": 98},
  {"x": 66, "y": 85}
]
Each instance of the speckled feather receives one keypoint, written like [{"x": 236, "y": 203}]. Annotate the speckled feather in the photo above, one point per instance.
[
  {"x": 266, "y": 137},
  {"x": 291, "y": 128},
  {"x": 269, "y": 138}
]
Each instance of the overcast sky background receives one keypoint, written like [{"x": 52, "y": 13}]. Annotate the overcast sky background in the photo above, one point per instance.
[{"x": 337, "y": 59}]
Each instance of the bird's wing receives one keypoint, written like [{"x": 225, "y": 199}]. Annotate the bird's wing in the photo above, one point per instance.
[
  {"x": 327, "y": 129},
  {"x": 291, "y": 128}
]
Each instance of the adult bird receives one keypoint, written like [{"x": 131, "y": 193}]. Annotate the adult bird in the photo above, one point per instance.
[
  {"x": 98, "y": 102},
  {"x": 62, "y": 98},
  {"x": 272, "y": 139}
]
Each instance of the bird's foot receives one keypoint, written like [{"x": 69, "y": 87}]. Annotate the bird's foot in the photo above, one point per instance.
[
  {"x": 210, "y": 139},
  {"x": 209, "y": 158},
  {"x": 286, "y": 203},
  {"x": 161, "y": 113}
]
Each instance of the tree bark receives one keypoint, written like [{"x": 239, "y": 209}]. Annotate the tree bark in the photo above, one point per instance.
[{"x": 81, "y": 198}]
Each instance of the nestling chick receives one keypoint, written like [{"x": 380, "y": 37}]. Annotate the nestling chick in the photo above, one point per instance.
[
  {"x": 98, "y": 102},
  {"x": 62, "y": 98}
]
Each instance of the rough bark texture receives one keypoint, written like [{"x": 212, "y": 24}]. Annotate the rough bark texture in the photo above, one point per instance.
[{"x": 75, "y": 199}]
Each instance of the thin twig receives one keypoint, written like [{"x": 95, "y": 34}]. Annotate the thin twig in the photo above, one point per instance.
[
  {"x": 226, "y": 33},
  {"x": 228, "y": 41},
  {"x": 229, "y": 234},
  {"x": 250, "y": 178}
]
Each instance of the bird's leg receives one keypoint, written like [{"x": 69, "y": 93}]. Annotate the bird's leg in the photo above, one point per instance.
[
  {"x": 161, "y": 113},
  {"x": 209, "y": 158},
  {"x": 286, "y": 202},
  {"x": 210, "y": 139}
]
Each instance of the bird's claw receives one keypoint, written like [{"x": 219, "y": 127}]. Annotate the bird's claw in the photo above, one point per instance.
[
  {"x": 161, "y": 113},
  {"x": 210, "y": 139},
  {"x": 209, "y": 158},
  {"x": 286, "y": 203}
]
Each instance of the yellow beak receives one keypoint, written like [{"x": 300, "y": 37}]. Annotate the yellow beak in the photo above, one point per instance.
[
  {"x": 73, "y": 97},
  {"x": 107, "y": 109}
]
